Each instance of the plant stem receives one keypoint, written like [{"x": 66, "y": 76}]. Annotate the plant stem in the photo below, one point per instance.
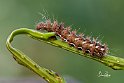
[
  {"x": 21, "y": 58},
  {"x": 113, "y": 62}
]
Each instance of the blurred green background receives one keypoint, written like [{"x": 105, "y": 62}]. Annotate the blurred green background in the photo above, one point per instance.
[{"x": 103, "y": 18}]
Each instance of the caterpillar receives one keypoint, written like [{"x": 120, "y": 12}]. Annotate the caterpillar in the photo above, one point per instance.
[{"x": 80, "y": 42}]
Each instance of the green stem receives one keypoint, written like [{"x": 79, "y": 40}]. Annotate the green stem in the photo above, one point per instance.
[
  {"x": 21, "y": 58},
  {"x": 113, "y": 62}
]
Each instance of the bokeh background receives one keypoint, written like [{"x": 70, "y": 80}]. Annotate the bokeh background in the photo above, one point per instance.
[{"x": 97, "y": 18}]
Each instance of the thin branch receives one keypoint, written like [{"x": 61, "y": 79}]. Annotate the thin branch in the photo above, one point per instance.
[
  {"x": 113, "y": 62},
  {"x": 21, "y": 58}
]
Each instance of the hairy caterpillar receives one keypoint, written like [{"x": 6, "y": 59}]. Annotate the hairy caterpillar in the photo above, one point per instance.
[{"x": 86, "y": 44}]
